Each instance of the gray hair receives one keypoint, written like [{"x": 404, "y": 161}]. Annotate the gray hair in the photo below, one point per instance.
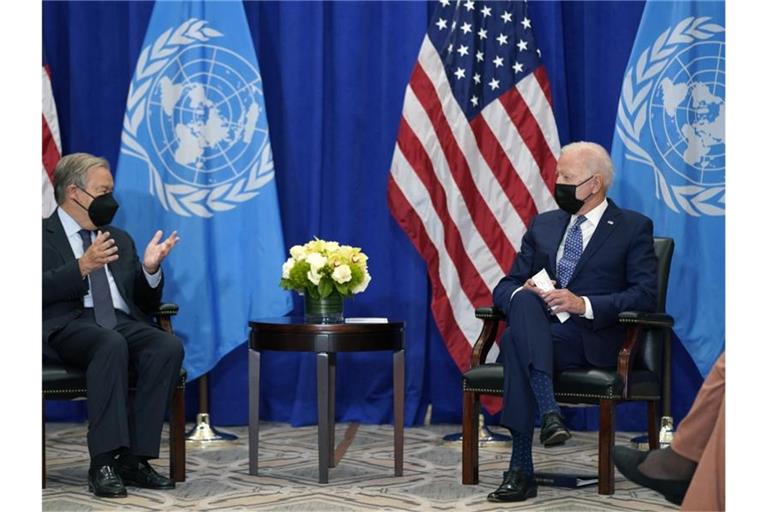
[
  {"x": 73, "y": 170},
  {"x": 596, "y": 159}
]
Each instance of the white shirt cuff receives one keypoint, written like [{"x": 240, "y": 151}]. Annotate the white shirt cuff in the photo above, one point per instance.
[
  {"x": 588, "y": 313},
  {"x": 153, "y": 279}
]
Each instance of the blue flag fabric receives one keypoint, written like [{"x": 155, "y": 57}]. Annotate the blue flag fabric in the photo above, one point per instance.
[
  {"x": 196, "y": 158},
  {"x": 669, "y": 153}
]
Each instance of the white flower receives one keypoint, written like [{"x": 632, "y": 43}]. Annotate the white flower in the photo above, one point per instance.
[
  {"x": 331, "y": 246},
  {"x": 342, "y": 274},
  {"x": 316, "y": 261},
  {"x": 314, "y": 276},
  {"x": 298, "y": 252},
  {"x": 287, "y": 266},
  {"x": 363, "y": 285}
]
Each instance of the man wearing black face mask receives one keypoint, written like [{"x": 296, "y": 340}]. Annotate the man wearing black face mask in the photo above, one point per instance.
[
  {"x": 602, "y": 262},
  {"x": 96, "y": 299}
]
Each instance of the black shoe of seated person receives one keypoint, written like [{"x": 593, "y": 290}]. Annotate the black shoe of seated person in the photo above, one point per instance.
[
  {"x": 104, "y": 482},
  {"x": 516, "y": 486},
  {"x": 143, "y": 475},
  {"x": 553, "y": 430},
  {"x": 628, "y": 462}
]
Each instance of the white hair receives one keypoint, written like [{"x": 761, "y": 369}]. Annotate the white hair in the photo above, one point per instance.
[
  {"x": 595, "y": 158},
  {"x": 72, "y": 169}
]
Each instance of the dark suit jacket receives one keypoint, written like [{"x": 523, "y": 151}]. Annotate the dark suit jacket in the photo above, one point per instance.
[
  {"x": 617, "y": 272},
  {"x": 64, "y": 288}
]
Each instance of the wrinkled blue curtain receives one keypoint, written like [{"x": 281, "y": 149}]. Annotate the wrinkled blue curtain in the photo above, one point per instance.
[{"x": 334, "y": 77}]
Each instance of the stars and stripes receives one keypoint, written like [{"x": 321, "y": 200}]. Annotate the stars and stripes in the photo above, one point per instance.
[
  {"x": 51, "y": 143},
  {"x": 475, "y": 156}
]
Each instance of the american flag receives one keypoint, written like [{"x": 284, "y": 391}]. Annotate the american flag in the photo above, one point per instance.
[
  {"x": 51, "y": 143},
  {"x": 475, "y": 156}
]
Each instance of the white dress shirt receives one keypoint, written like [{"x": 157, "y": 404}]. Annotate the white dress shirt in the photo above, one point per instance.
[
  {"x": 72, "y": 230},
  {"x": 587, "y": 230}
]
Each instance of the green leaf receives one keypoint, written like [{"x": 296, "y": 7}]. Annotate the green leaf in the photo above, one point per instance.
[{"x": 325, "y": 287}]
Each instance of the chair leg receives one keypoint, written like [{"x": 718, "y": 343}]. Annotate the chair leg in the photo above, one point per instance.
[
  {"x": 44, "y": 470},
  {"x": 653, "y": 424},
  {"x": 177, "y": 441},
  {"x": 469, "y": 439},
  {"x": 605, "y": 475}
]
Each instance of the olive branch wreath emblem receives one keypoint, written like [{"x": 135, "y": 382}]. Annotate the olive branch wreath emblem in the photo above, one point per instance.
[
  {"x": 638, "y": 83},
  {"x": 184, "y": 199}
]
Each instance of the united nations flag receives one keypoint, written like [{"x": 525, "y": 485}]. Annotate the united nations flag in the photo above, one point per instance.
[
  {"x": 196, "y": 158},
  {"x": 669, "y": 153}
]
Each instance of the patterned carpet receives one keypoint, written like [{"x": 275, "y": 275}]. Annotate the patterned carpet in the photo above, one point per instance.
[{"x": 217, "y": 474}]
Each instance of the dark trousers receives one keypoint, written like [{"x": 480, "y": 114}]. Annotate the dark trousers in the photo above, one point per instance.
[
  {"x": 106, "y": 355},
  {"x": 534, "y": 339}
]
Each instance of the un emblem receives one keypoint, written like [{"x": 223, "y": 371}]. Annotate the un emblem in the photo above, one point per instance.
[
  {"x": 672, "y": 115},
  {"x": 203, "y": 133}
]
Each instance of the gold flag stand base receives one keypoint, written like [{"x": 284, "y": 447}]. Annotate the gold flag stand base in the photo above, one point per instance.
[
  {"x": 485, "y": 436},
  {"x": 666, "y": 434},
  {"x": 205, "y": 433}
]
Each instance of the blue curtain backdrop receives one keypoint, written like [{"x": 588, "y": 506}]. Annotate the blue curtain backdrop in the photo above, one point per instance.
[{"x": 334, "y": 77}]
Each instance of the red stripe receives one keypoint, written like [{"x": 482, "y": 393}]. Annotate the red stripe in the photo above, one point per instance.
[
  {"x": 485, "y": 222},
  {"x": 541, "y": 76},
  {"x": 458, "y": 345},
  {"x": 471, "y": 281},
  {"x": 530, "y": 131},
  {"x": 51, "y": 154},
  {"x": 505, "y": 172}
]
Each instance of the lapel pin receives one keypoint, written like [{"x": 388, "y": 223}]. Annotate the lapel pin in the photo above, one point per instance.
[{"x": 610, "y": 222}]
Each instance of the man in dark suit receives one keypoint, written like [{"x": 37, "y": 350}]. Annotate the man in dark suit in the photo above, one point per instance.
[
  {"x": 96, "y": 299},
  {"x": 601, "y": 261}
]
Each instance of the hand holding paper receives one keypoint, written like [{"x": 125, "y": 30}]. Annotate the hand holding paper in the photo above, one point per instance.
[{"x": 544, "y": 283}]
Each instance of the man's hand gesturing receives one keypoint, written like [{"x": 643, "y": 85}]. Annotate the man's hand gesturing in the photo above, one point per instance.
[
  {"x": 101, "y": 251},
  {"x": 156, "y": 252}
]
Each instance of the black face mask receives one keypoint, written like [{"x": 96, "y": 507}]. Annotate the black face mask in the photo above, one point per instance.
[
  {"x": 565, "y": 196},
  {"x": 102, "y": 209}
]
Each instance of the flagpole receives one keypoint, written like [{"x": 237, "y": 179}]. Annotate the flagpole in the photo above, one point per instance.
[{"x": 203, "y": 431}]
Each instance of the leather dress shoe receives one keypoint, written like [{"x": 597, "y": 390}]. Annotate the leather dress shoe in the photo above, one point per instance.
[
  {"x": 144, "y": 475},
  {"x": 628, "y": 461},
  {"x": 517, "y": 486},
  {"x": 106, "y": 483},
  {"x": 553, "y": 430}
]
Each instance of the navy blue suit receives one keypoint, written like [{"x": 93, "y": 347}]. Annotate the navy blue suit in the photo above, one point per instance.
[{"x": 616, "y": 271}]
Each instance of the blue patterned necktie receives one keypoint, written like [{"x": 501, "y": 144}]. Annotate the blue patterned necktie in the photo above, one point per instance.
[
  {"x": 103, "y": 308},
  {"x": 571, "y": 252}
]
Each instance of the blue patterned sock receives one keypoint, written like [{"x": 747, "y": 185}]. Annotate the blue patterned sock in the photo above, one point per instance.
[
  {"x": 541, "y": 385},
  {"x": 522, "y": 455}
]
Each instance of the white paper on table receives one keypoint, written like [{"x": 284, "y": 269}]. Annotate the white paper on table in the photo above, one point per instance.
[
  {"x": 543, "y": 282},
  {"x": 366, "y": 320}
]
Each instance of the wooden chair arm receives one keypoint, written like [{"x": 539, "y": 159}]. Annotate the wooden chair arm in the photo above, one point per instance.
[
  {"x": 490, "y": 317},
  {"x": 636, "y": 321}
]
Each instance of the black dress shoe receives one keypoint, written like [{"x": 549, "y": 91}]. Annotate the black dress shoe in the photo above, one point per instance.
[
  {"x": 106, "y": 483},
  {"x": 517, "y": 486},
  {"x": 628, "y": 461},
  {"x": 144, "y": 475},
  {"x": 553, "y": 430}
]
